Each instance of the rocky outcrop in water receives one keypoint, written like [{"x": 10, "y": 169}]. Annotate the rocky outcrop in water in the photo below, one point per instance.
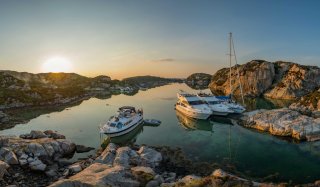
[
  {"x": 277, "y": 80},
  {"x": 198, "y": 80},
  {"x": 308, "y": 104},
  {"x": 283, "y": 122}
]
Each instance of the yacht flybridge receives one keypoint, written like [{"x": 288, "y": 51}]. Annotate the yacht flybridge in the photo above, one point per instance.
[
  {"x": 218, "y": 108},
  {"x": 126, "y": 119},
  {"x": 192, "y": 106}
]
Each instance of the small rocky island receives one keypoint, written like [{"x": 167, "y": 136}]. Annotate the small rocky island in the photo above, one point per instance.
[
  {"x": 198, "y": 81},
  {"x": 41, "y": 159}
]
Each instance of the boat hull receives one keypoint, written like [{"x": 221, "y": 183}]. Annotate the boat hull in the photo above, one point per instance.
[
  {"x": 216, "y": 113},
  {"x": 192, "y": 114},
  {"x": 125, "y": 131}
]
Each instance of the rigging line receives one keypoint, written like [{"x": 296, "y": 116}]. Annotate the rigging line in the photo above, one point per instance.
[
  {"x": 238, "y": 76},
  {"x": 230, "y": 36}
]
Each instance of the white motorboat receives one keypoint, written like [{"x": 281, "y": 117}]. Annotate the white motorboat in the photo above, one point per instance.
[
  {"x": 126, "y": 119},
  {"x": 218, "y": 108},
  {"x": 192, "y": 106}
]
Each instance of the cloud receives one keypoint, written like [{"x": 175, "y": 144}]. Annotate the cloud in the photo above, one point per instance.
[{"x": 164, "y": 60}]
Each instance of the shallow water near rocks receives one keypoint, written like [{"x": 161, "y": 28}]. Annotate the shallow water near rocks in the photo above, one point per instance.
[{"x": 256, "y": 155}]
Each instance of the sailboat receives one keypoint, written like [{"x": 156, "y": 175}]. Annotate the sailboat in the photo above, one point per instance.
[{"x": 227, "y": 100}]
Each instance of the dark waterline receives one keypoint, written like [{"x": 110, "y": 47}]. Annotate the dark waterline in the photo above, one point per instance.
[{"x": 255, "y": 155}]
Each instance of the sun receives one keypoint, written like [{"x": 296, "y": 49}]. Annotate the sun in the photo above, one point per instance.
[{"x": 57, "y": 64}]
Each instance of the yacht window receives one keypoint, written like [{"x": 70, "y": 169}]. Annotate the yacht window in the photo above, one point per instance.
[
  {"x": 196, "y": 102},
  {"x": 113, "y": 124},
  {"x": 119, "y": 125},
  {"x": 213, "y": 102}
]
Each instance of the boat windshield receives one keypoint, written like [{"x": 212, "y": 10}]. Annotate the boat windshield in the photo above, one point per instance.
[
  {"x": 196, "y": 102},
  {"x": 113, "y": 124}
]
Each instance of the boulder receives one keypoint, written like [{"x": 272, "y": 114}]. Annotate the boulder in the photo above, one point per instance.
[
  {"x": 52, "y": 173},
  {"x": 83, "y": 149},
  {"x": 108, "y": 155},
  {"x": 3, "y": 169},
  {"x": 36, "y": 149},
  {"x": 122, "y": 157},
  {"x": 23, "y": 162},
  {"x": 75, "y": 168},
  {"x": 54, "y": 135},
  {"x": 220, "y": 174},
  {"x": 153, "y": 183},
  {"x": 64, "y": 162},
  {"x": 37, "y": 134},
  {"x": 149, "y": 157},
  {"x": 188, "y": 180},
  {"x": 159, "y": 179},
  {"x": 143, "y": 174},
  {"x": 99, "y": 174},
  {"x": 8, "y": 156},
  {"x": 49, "y": 149},
  {"x": 37, "y": 165},
  {"x": 67, "y": 147}
]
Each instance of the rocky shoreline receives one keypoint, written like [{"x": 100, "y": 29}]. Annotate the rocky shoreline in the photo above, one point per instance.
[
  {"x": 38, "y": 158},
  {"x": 283, "y": 122},
  {"x": 41, "y": 159}
]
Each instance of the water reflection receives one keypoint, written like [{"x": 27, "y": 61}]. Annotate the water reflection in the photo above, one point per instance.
[
  {"x": 126, "y": 139},
  {"x": 197, "y": 86},
  {"x": 193, "y": 124}
]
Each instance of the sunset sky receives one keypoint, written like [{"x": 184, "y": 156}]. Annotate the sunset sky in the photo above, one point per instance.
[{"x": 170, "y": 38}]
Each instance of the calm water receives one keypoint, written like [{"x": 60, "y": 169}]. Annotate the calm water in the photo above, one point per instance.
[{"x": 254, "y": 154}]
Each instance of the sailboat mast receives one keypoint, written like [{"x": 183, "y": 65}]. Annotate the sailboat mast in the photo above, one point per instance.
[
  {"x": 230, "y": 37},
  {"x": 238, "y": 74}
]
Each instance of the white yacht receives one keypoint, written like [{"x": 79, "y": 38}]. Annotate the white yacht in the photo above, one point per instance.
[
  {"x": 218, "y": 108},
  {"x": 192, "y": 106},
  {"x": 233, "y": 105},
  {"x": 126, "y": 119}
]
